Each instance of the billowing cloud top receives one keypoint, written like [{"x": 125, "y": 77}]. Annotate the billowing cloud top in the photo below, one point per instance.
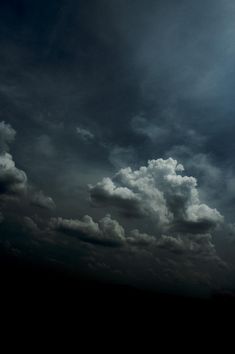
[{"x": 159, "y": 192}]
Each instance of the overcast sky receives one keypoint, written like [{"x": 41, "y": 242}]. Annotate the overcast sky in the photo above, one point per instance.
[{"x": 117, "y": 122}]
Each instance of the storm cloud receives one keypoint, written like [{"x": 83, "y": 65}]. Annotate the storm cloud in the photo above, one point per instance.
[{"x": 103, "y": 105}]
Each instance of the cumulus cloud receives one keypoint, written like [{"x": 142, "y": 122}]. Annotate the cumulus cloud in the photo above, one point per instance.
[
  {"x": 160, "y": 193},
  {"x": 173, "y": 225},
  {"x": 107, "y": 232}
]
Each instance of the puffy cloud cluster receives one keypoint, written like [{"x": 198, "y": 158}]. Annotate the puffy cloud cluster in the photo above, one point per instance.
[
  {"x": 160, "y": 193},
  {"x": 107, "y": 232},
  {"x": 169, "y": 225}
]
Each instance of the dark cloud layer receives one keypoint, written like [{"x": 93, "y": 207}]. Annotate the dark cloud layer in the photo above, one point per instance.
[
  {"x": 94, "y": 89},
  {"x": 178, "y": 231}
]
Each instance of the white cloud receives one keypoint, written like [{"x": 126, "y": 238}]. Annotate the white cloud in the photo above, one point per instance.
[{"x": 157, "y": 192}]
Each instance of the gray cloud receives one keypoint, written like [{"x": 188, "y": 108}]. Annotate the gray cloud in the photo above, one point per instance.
[
  {"x": 41, "y": 200},
  {"x": 7, "y": 136},
  {"x": 194, "y": 245},
  {"x": 121, "y": 156},
  {"x": 31, "y": 225},
  {"x": 140, "y": 257},
  {"x": 85, "y": 134},
  {"x": 13, "y": 181},
  {"x": 140, "y": 239},
  {"x": 107, "y": 232},
  {"x": 153, "y": 131}
]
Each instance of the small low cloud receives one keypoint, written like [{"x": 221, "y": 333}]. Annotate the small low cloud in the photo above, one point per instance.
[
  {"x": 154, "y": 132},
  {"x": 121, "y": 156},
  {"x": 85, "y": 134},
  {"x": 40, "y": 200}
]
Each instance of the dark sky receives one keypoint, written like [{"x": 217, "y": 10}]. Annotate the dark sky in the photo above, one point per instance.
[{"x": 99, "y": 99}]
